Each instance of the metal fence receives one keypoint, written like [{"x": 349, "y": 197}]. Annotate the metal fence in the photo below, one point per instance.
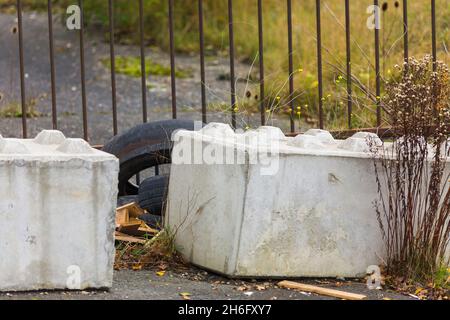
[{"x": 170, "y": 15}]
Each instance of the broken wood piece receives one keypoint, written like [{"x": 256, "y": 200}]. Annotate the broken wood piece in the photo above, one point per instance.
[
  {"x": 322, "y": 291},
  {"x": 131, "y": 228},
  {"x": 121, "y": 217},
  {"x": 136, "y": 227},
  {"x": 134, "y": 211},
  {"x": 146, "y": 229},
  {"x": 126, "y": 238},
  {"x": 128, "y": 211}
]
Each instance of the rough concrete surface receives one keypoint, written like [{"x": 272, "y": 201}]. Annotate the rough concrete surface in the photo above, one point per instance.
[
  {"x": 308, "y": 212},
  {"x": 57, "y": 213}
]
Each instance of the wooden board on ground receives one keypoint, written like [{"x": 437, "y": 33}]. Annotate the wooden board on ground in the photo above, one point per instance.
[
  {"x": 131, "y": 228},
  {"x": 126, "y": 238},
  {"x": 128, "y": 211},
  {"x": 128, "y": 222},
  {"x": 322, "y": 291}
]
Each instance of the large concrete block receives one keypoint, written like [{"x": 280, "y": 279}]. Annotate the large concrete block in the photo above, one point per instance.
[
  {"x": 57, "y": 210},
  {"x": 304, "y": 209}
]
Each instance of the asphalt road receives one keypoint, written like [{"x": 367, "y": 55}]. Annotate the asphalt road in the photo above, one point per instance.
[{"x": 147, "y": 285}]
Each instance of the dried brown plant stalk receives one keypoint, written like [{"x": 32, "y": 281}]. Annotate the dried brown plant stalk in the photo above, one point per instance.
[{"x": 412, "y": 173}]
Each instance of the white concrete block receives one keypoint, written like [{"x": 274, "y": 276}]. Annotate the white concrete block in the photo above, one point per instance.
[
  {"x": 313, "y": 217},
  {"x": 57, "y": 211}
]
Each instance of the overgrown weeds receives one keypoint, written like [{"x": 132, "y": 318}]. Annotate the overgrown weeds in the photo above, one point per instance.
[{"x": 413, "y": 174}]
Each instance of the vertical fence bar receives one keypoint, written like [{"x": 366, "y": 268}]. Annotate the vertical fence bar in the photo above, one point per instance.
[
  {"x": 113, "y": 64},
  {"x": 291, "y": 64},
  {"x": 261, "y": 63},
  {"x": 52, "y": 64},
  {"x": 232, "y": 75},
  {"x": 143, "y": 72},
  {"x": 377, "y": 61},
  {"x": 433, "y": 33},
  {"x": 22, "y": 70},
  {"x": 82, "y": 72},
  {"x": 405, "y": 31},
  {"x": 202, "y": 58},
  {"x": 172, "y": 61},
  {"x": 349, "y": 63},
  {"x": 319, "y": 63}
]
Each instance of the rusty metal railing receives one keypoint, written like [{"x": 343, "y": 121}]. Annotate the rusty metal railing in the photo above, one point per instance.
[{"x": 170, "y": 16}]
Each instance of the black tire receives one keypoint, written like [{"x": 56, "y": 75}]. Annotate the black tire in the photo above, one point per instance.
[
  {"x": 152, "y": 220},
  {"x": 121, "y": 201},
  {"x": 143, "y": 147},
  {"x": 152, "y": 194}
]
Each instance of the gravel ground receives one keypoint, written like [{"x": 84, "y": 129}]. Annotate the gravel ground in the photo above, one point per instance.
[
  {"x": 68, "y": 88},
  {"x": 146, "y": 285}
]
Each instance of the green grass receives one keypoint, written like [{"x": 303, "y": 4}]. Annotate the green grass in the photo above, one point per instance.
[
  {"x": 14, "y": 110},
  {"x": 442, "y": 278},
  {"x": 131, "y": 66}
]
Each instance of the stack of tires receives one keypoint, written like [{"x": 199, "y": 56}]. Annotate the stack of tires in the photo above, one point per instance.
[{"x": 142, "y": 147}]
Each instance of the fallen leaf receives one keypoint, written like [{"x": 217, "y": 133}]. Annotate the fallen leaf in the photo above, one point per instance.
[
  {"x": 160, "y": 273},
  {"x": 185, "y": 295},
  {"x": 137, "y": 266}
]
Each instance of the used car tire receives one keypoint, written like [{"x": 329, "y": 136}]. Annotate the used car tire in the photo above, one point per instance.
[
  {"x": 143, "y": 147},
  {"x": 153, "y": 221},
  {"x": 121, "y": 201},
  {"x": 152, "y": 194}
]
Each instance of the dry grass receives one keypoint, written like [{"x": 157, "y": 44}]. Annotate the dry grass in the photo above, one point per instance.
[{"x": 158, "y": 252}]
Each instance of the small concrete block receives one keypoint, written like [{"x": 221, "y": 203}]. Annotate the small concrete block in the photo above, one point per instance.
[
  {"x": 50, "y": 137},
  {"x": 75, "y": 146},
  {"x": 307, "y": 142},
  {"x": 57, "y": 214},
  {"x": 217, "y": 130},
  {"x": 361, "y": 142},
  {"x": 271, "y": 133},
  {"x": 12, "y": 147},
  {"x": 322, "y": 135}
]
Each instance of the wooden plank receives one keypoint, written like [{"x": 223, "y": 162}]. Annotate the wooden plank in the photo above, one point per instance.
[
  {"x": 146, "y": 229},
  {"x": 134, "y": 211},
  {"x": 131, "y": 228},
  {"x": 126, "y": 238},
  {"x": 121, "y": 217},
  {"x": 322, "y": 291}
]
